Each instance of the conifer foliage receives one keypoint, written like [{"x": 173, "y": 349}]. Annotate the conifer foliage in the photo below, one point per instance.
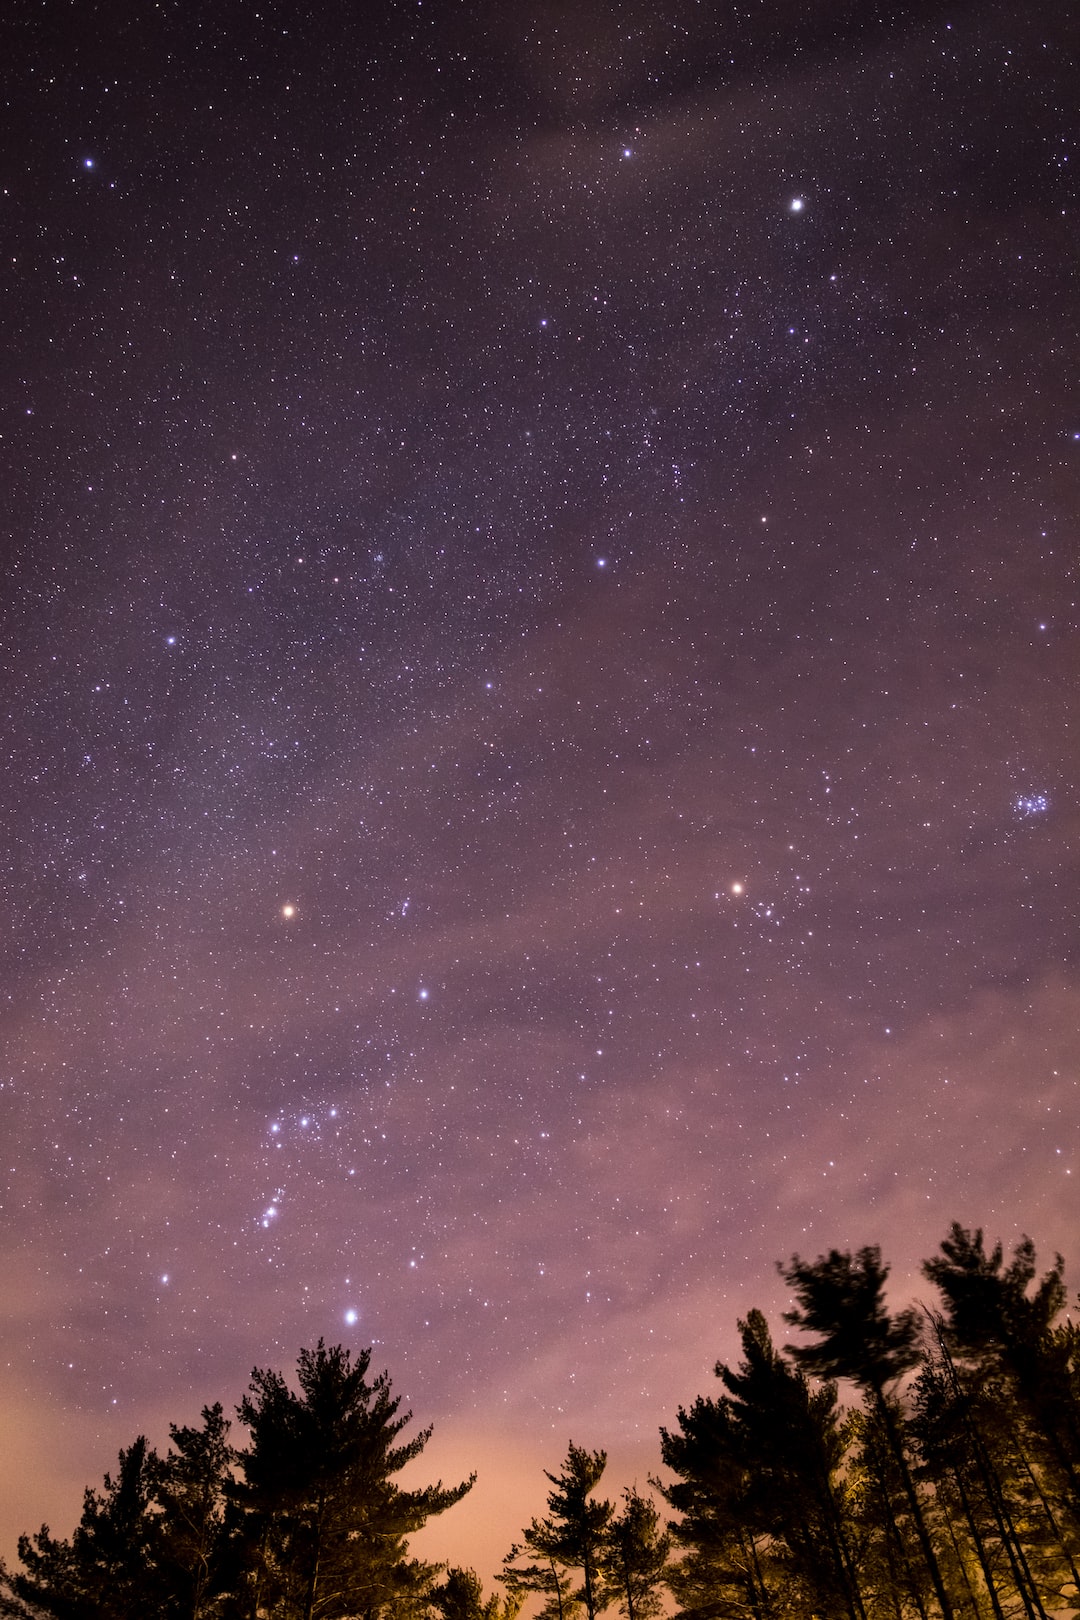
[
  {"x": 948, "y": 1491},
  {"x": 561, "y": 1555},
  {"x": 307, "y": 1522},
  {"x": 946, "y": 1488},
  {"x": 583, "y": 1556},
  {"x": 325, "y": 1525}
]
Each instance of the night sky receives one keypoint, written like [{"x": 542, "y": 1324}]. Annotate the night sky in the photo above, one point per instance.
[{"x": 540, "y": 657}]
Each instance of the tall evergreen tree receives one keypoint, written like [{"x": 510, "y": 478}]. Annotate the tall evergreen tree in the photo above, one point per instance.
[
  {"x": 189, "y": 1487},
  {"x": 842, "y": 1299},
  {"x": 635, "y": 1556},
  {"x": 1017, "y": 1369},
  {"x": 765, "y": 1510},
  {"x": 949, "y": 1429},
  {"x": 796, "y": 1439},
  {"x": 571, "y": 1538},
  {"x": 110, "y": 1568},
  {"x": 1002, "y": 1318},
  {"x": 893, "y": 1571},
  {"x": 460, "y": 1596},
  {"x": 528, "y": 1573},
  {"x": 325, "y": 1523},
  {"x": 727, "y": 1570}
]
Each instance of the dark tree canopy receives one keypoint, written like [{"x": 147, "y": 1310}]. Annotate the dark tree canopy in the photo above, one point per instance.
[
  {"x": 460, "y": 1596},
  {"x": 323, "y": 1509},
  {"x": 635, "y": 1556},
  {"x": 842, "y": 1299},
  {"x": 950, "y": 1487},
  {"x": 307, "y": 1522},
  {"x": 570, "y": 1538}
]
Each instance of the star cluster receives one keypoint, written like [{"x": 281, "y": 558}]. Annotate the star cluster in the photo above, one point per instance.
[{"x": 540, "y": 696}]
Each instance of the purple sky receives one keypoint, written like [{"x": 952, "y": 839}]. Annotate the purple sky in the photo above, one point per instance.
[{"x": 541, "y": 700}]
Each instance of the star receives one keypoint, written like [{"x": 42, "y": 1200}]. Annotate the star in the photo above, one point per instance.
[{"x": 843, "y": 681}]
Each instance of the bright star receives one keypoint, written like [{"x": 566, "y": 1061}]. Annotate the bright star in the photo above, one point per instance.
[
  {"x": 288, "y": 910},
  {"x": 797, "y": 205}
]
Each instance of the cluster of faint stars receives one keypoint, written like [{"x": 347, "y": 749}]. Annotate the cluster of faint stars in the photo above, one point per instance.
[{"x": 420, "y": 661}]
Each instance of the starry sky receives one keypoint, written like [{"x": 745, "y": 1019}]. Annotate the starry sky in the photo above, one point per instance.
[{"x": 540, "y": 676}]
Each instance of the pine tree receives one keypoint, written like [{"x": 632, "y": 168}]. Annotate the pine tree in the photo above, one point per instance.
[
  {"x": 996, "y": 1320},
  {"x": 1018, "y": 1368},
  {"x": 892, "y": 1570},
  {"x": 950, "y": 1437},
  {"x": 728, "y": 1570},
  {"x": 842, "y": 1299},
  {"x": 325, "y": 1526},
  {"x": 540, "y": 1575},
  {"x": 460, "y": 1596},
  {"x": 765, "y": 1509},
  {"x": 796, "y": 1439},
  {"x": 188, "y": 1486},
  {"x": 635, "y": 1556},
  {"x": 570, "y": 1538},
  {"x": 109, "y": 1570}
]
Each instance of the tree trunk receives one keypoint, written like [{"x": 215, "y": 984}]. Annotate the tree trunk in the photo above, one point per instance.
[{"x": 927, "y": 1546}]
